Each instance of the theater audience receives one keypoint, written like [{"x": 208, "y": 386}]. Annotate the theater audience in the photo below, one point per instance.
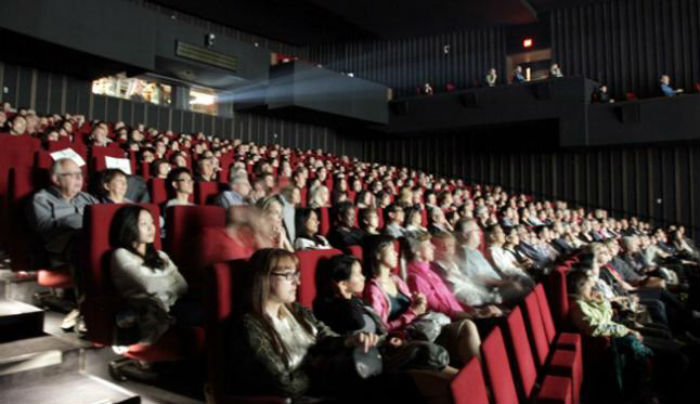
[
  {"x": 18, "y": 125},
  {"x": 369, "y": 221},
  {"x": 181, "y": 187},
  {"x": 205, "y": 170},
  {"x": 307, "y": 225},
  {"x": 56, "y": 212},
  {"x": 505, "y": 261},
  {"x": 160, "y": 169},
  {"x": 398, "y": 307}
]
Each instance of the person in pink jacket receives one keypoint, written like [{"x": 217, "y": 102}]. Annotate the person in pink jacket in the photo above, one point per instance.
[{"x": 391, "y": 298}]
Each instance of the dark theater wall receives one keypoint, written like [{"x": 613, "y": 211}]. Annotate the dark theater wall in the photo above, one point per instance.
[
  {"x": 50, "y": 92},
  {"x": 629, "y": 180},
  {"x": 405, "y": 64},
  {"x": 628, "y": 44}
]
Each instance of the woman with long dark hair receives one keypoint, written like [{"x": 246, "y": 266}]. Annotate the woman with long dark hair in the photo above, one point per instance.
[
  {"x": 307, "y": 225},
  {"x": 145, "y": 277}
]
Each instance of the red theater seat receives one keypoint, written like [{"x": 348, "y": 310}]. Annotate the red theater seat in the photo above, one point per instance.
[
  {"x": 185, "y": 223},
  {"x": 325, "y": 221},
  {"x": 308, "y": 263},
  {"x": 357, "y": 252},
  {"x": 158, "y": 191},
  {"x": 469, "y": 387},
  {"x": 554, "y": 388},
  {"x": 205, "y": 192}
]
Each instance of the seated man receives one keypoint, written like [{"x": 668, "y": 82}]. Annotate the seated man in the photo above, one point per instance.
[
  {"x": 344, "y": 233},
  {"x": 240, "y": 188},
  {"x": 666, "y": 89},
  {"x": 18, "y": 125},
  {"x": 181, "y": 186},
  {"x": 57, "y": 212},
  {"x": 394, "y": 217}
]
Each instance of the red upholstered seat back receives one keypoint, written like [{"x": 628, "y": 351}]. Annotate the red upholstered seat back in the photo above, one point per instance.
[
  {"x": 539, "y": 337},
  {"x": 517, "y": 335},
  {"x": 357, "y": 252},
  {"x": 158, "y": 191},
  {"x": 560, "y": 295},
  {"x": 424, "y": 217},
  {"x": 23, "y": 182},
  {"x": 204, "y": 192},
  {"x": 324, "y": 217},
  {"x": 380, "y": 214},
  {"x": 469, "y": 387},
  {"x": 185, "y": 223},
  {"x": 546, "y": 313},
  {"x": 308, "y": 263},
  {"x": 498, "y": 368}
]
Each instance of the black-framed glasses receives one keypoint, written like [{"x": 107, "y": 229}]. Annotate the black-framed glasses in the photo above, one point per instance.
[{"x": 288, "y": 276}]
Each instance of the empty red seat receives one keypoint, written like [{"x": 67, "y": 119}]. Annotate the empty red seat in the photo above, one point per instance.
[
  {"x": 23, "y": 183},
  {"x": 308, "y": 263},
  {"x": 204, "y": 192},
  {"x": 557, "y": 361},
  {"x": 469, "y": 387},
  {"x": 158, "y": 191},
  {"x": 356, "y": 251},
  {"x": 501, "y": 379},
  {"x": 184, "y": 224},
  {"x": 554, "y": 388},
  {"x": 565, "y": 340}
]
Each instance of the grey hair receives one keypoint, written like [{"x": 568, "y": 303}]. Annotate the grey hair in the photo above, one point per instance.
[
  {"x": 57, "y": 167},
  {"x": 238, "y": 177}
]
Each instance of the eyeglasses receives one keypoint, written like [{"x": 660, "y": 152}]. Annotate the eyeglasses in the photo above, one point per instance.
[
  {"x": 288, "y": 276},
  {"x": 77, "y": 174}
]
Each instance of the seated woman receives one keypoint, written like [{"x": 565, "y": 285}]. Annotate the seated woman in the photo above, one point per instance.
[
  {"x": 339, "y": 285},
  {"x": 146, "y": 278},
  {"x": 414, "y": 222},
  {"x": 505, "y": 261},
  {"x": 113, "y": 186},
  {"x": 592, "y": 315},
  {"x": 307, "y": 231},
  {"x": 398, "y": 307},
  {"x": 271, "y": 209},
  {"x": 160, "y": 169},
  {"x": 278, "y": 346}
]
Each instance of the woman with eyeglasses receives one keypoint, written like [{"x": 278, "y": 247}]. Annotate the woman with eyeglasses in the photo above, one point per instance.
[{"x": 279, "y": 346}]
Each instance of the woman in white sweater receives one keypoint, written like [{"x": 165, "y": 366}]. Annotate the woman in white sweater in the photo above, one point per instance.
[{"x": 146, "y": 278}]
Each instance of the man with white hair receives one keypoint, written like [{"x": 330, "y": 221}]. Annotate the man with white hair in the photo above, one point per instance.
[
  {"x": 240, "y": 188},
  {"x": 56, "y": 212}
]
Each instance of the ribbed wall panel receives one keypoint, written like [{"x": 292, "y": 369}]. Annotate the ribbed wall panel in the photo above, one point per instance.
[{"x": 629, "y": 44}]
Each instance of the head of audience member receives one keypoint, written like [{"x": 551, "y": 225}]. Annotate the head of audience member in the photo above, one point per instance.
[
  {"x": 468, "y": 233},
  {"x": 133, "y": 228},
  {"x": 307, "y": 222},
  {"x": 271, "y": 209},
  {"x": 239, "y": 183},
  {"x": 492, "y": 71},
  {"x": 413, "y": 218},
  {"x": 665, "y": 79},
  {"x": 319, "y": 196},
  {"x": 630, "y": 244},
  {"x": 292, "y": 195},
  {"x": 421, "y": 249},
  {"x": 394, "y": 214},
  {"x": 381, "y": 256},
  {"x": 67, "y": 177},
  {"x": 181, "y": 183},
  {"x": 178, "y": 160},
  {"x": 205, "y": 169},
  {"x": 369, "y": 220},
  {"x": 365, "y": 199},
  {"x": 496, "y": 236},
  {"x": 147, "y": 156},
  {"x": 272, "y": 282},
  {"x": 99, "y": 135},
  {"x": 345, "y": 215},
  {"x": 18, "y": 125},
  {"x": 160, "y": 169},
  {"x": 518, "y": 69},
  {"x": 114, "y": 185},
  {"x": 342, "y": 277},
  {"x": 445, "y": 246},
  {"x": 436, "y": 217},
  {"x": 581, "y": 282}
]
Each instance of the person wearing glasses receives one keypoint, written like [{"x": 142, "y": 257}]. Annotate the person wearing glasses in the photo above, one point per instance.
[
  {"x": 279, "y": 347},
  {"x": 182, "y": 187},
  {"x": 56, "y": 212}
]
